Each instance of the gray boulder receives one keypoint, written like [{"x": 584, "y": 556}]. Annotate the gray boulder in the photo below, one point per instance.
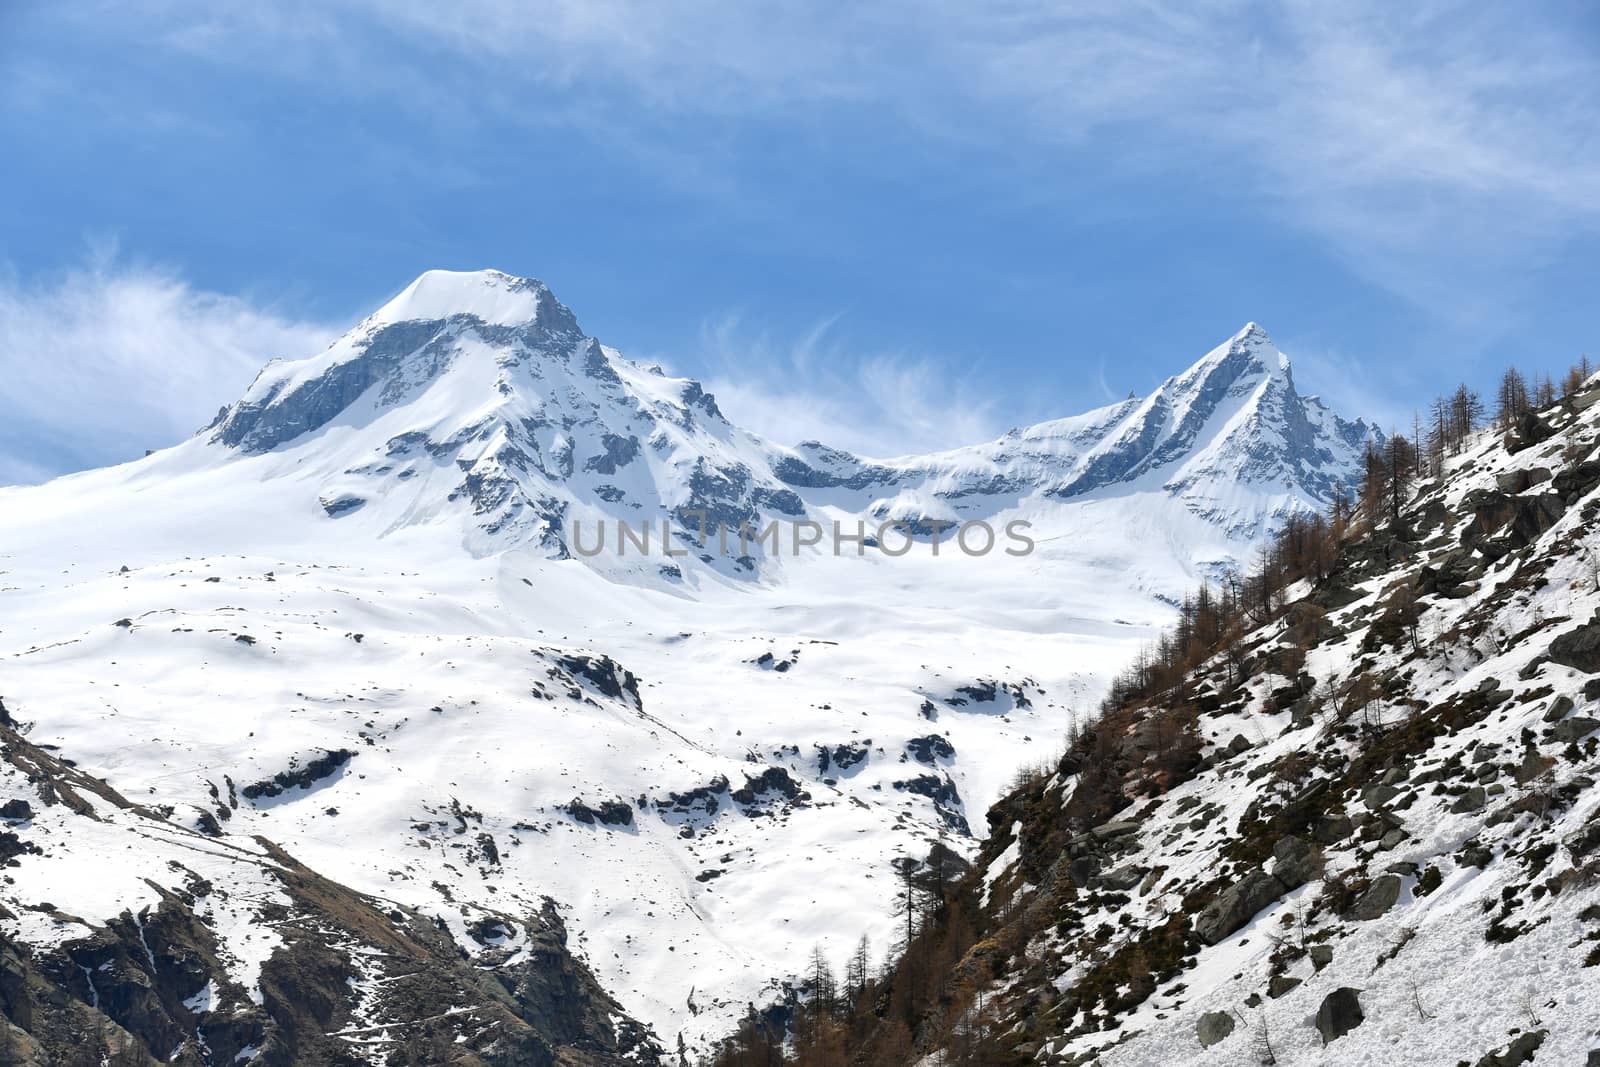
[
  {"x": 1122, "y": 879},
  {"x": 1279, "y": 984},
  {"x": 1471, "y": 800},
  {"x": 1339, "y": 1014},
  {"x": 1237, "y": 905},
  {"x": 1574, "y": 729},
  {"x": 1295, "y": 862},
  {"x": 1558, "y": 708},
  {"x": 1106, "y": 831},
  {"x": 1213, "y": 1027},
  {"x": 1382, "y": 895},
  {"x": 1379, "y": 795},
  {"x": 1583, "y": 841},
  {"x": 1580, "y": 648}
]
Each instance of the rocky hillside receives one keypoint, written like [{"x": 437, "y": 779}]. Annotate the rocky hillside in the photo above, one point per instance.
[
  {"x": 1349, "y": 815},
  {"x": 327, "y": 976}
]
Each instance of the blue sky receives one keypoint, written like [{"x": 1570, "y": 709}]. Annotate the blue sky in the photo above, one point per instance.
[{"x": 895, "y": 226}]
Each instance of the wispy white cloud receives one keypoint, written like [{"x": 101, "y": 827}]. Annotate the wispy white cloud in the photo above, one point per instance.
[
  {"x": 815, "y": 387},
  {"x": 1377, "y": 128},
  {"x": 110, "y": 359},
  {"x": 1354, "y": 388}
]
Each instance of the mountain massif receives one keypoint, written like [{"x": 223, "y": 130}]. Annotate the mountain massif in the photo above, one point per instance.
[{"x": 328, "y": 739}]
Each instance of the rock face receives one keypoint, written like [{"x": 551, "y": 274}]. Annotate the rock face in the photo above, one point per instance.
[{"x": 1339, "y": 1014}]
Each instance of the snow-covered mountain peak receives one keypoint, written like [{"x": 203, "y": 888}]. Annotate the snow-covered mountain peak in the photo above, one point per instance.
[
  {"x": 491, "y": 296},
  {"x": 1248, "y": 353}
]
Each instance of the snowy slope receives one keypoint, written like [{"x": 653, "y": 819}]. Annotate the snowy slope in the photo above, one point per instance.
[{"x": 708, "y": 762}]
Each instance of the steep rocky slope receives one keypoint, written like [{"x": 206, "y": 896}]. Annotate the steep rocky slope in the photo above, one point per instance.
[{"x": 1362, "y": 829}]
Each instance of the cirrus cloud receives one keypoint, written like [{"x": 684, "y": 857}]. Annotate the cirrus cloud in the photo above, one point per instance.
[{"x": 110, "y": 359}]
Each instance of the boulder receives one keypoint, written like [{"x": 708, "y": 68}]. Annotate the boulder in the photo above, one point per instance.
[
  {"x": 1339, "y": 1014},
  {"x": 1511, "y": 521},
  {"x": 1321, "y": 956},
  {"x": 1574, "y": 729},
  {"x": 1378, "y": 899},
  {"x": 1213, "y": 1027},
  {"x": 1279, "y": 984},
  {"x": 1521, "y": 480},
  {"x": 1331, "y": 829},
  {"x": 1122, "y": 879},
  {"x": 1295, "y": 862},
  {"x": 1472, "y": 800},
  {"x": 1558, "y": 709},
  {"x": 1237, "y": 905},
  {"x": 16, "y": 810},
  {"x": 1580, "y": 648},
  {"x": 1518, "y": 1052},
  {"x": 1106, "y": 831},
  {"x": 1576, "y": 480},
  {"x": 1377, "y": 796},
  {"x": 1449, "y": 575}
]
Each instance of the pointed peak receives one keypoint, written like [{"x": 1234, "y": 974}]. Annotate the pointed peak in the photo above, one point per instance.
[
  {"x": 1248, "y": 351},
  {"x": 491, "y": 295},
  {"x": 1254, "y": 342},
  {"x": 1253, "y": 333}
]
